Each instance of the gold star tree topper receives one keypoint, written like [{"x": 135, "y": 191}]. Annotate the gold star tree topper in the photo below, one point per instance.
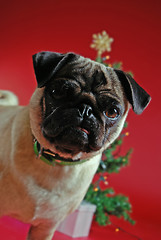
[{"x": 101, "y": 43}]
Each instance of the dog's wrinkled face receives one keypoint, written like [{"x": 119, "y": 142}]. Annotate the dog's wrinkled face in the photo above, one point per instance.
[{"x": 81, "y": 109}]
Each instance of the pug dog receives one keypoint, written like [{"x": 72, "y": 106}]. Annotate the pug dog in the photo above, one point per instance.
[{"x": 51, "y": 149}]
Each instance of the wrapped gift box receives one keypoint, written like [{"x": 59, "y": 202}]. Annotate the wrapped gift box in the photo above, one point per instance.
[{"x": 79, "y": 222}]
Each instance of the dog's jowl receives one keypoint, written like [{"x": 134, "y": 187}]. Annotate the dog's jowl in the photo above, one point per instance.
[{"x": 52, "y": 147}]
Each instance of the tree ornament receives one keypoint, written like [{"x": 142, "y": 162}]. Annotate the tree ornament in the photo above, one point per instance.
[
  {"x": 101, "y": 43},
  {"x": 117, "y": 230}
]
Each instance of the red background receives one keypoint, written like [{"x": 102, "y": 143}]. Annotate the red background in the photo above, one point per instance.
[{"x": 62, "y": 26}]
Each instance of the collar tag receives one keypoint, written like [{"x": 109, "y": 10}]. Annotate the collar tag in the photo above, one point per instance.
[
  {"x": 39, "y": 153},
  {"x": 51, "y": 158}
]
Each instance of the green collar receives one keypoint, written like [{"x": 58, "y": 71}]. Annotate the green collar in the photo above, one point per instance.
[{"x": 51, "y": 158}]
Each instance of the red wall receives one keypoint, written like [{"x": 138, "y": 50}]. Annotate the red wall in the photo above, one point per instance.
[{"x": 27, "y": 28}]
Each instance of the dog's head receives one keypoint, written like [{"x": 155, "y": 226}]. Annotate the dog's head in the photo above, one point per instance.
[{"x": 80, "y": 106}]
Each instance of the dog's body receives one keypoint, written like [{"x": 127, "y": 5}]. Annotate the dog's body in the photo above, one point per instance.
[
  {"x": 72, "y": 122},
  {"x": 31, "y": 190}
]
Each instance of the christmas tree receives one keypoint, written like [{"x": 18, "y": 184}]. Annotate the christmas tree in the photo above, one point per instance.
[{"x": 107, "y": 202}]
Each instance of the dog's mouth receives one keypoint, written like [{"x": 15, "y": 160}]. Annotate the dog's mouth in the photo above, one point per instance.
[
  {"x": 73, "y": 148},
  {"x": 84, "y": 130},
  {"x": 70, "y": 140}
]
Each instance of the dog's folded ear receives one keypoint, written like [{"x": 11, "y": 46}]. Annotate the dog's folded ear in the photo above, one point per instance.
[
  {"x": 135, "y": 94},
  {"x": 46, "y": 64}
]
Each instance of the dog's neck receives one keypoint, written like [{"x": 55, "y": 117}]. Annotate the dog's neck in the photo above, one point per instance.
[{"x": 53, "y": 158}]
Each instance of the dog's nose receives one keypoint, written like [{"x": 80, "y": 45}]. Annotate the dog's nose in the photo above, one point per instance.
[{"x": 85, "y": 110}]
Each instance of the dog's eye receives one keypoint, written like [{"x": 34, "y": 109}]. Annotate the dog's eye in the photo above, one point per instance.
[
  {"x": 112, "y": 113},
  {"x": 59, "y": 91},
  {"x": 67, "y": 89}
]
